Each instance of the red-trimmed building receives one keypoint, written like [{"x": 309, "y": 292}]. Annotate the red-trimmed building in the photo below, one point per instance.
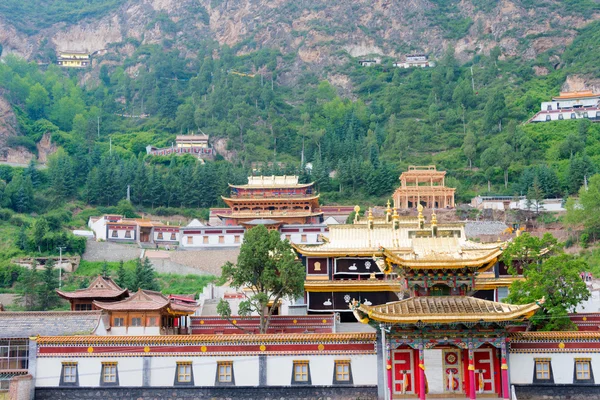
[{"x": 280, "y": 199}]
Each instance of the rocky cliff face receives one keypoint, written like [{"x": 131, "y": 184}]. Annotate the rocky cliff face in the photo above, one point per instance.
[{"x": 319, "y": 33}]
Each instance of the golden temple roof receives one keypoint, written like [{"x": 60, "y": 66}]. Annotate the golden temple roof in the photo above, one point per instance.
[
  {"x": 443, "y": 309},
  {"x": 404, "y": 247}
]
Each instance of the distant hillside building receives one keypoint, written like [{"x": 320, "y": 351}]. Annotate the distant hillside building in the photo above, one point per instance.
[
  {"x": 570, "y": 105},
  {"x": 73, "y": 59},
  {"x": 368, "y": 62},
  {"x": 197, "y": 145},
  {"x": 117, "y": 228},
  {"x": 415, "y": 60},
  {"x": 423, "y": 185}
]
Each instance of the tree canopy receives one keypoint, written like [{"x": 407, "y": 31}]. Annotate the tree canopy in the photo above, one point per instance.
[
  {"x": 268, "y": 270},
  {"x": 548, "y": 274}
]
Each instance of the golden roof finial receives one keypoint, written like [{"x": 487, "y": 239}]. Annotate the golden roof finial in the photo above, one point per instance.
[
  {"x": 433, "y": 219},
  {"x": 388, "y": 209},
  {"x": 370, "y": 214},
  {"x": 356, "y": 213},
  {"x": 395, "y": 214}
]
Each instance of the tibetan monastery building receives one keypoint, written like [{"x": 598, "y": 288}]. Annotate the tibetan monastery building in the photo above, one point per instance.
[
  {"x": 272, "y": 201},
  {"x": 431, "y": 292},
  {"x": 570, "y": 105},
  {"x": 423, "y": 185}
]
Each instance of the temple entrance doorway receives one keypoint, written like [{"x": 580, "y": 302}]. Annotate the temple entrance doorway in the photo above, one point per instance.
[
  {"x": 484, "y": 370},
  {"x": 145, "y": 235},
  {"x": 403, "y": 372},
  {"x": 452, "y": 364}
]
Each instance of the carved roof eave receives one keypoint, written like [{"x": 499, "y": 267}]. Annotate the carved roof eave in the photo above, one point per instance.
[
  {"x": 352, "y": 285},
  {"x": 313, "y": 251},
  {"x": 232, "y": 200},
  {"x": 274, "y": 215},
  {"x": 275, "y": 186},
  {"x": 86, "y": 294},
  {"x": 366, "y": 314},
  {"x": 483, "y": 262}
]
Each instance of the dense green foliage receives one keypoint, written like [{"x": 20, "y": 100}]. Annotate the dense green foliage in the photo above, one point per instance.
[
  {"x": 584, "y": 213},
  {"x": 268, "y": 269},
  {"x": 539, "y": 259},
  {"x": 400, "y": 117}
]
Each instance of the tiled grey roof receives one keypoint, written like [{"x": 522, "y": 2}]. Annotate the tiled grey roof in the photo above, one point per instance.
[
  {"x": 476, "y": 228},
  {"x": 50, "y": 323}
]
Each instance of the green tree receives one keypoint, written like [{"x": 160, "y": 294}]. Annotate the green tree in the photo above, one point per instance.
[
  {"x": 122, "y": 276},
  {"x": 268, "y": 268},
  {"x": 469, "y": 147},
  {"x": 586, "y": 211},
  {"x": 527, "y": 249},
  {"x": 495, "y": 111},
  {"x": 40, "y": 230},
  {"x": 105, "y": 271},
  {"x": 47, "y": 298},
  {"x": 125, "y": 208},
  {"x": 557, "y": 280},
  {"x": 27, "y": 287},
  {"x": 144, "y": 276},
  {"x": 37, "y": 101},
  {"x": 504, "y": 160},
  {"x": 535, "y": 197}
]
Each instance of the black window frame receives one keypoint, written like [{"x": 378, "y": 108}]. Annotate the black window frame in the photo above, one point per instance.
[
  {"x": 583, "y": 381},
  {"x": 308, "y": 381},
  {"x": 65, "y": 365},
  {"x": 176, "y": 380},
  {"x": 336, "y": 381},
  {"x": 102, "y": 371},
  {"x": 536, "y": 380},
  {"x": 218, "y": 381}
]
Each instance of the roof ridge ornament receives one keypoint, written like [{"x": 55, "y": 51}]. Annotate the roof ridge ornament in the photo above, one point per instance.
[{"x": 420, "y": 216}]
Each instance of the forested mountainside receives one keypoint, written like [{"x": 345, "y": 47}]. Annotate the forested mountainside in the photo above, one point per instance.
[{"x": 278, "y": 82}]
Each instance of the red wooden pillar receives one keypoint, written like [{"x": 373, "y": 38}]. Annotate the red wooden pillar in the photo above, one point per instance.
[
  {"x": 388, "y": 367},
  {"x": 421, "y": 373},
  {"x": 504, "y": 369},
  {"x": 471, "y": 368}
]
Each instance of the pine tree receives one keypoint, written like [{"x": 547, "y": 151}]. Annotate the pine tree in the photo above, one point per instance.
[
  {"x": 22, "y": 238},
  {"x": 105, "y": 271},
  {"x": 46, "y": 291},
  {"x": 27, "y": 287},
  {"x": 122, "y": 276},
  {"x": 144, "y": 276}
]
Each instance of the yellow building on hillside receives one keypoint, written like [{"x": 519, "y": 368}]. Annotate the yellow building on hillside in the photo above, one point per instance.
[{"x": 73, "y": 59}]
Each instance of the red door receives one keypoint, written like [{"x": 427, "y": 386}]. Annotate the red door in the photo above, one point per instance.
[
  {"x": 402, "y": 376},
  {"x": 484, "y": 370}
]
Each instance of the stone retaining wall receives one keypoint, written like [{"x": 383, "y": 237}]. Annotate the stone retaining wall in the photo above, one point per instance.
[
  {"x": 558, "y": 392},
  {"x": 213, "y": 393}
]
